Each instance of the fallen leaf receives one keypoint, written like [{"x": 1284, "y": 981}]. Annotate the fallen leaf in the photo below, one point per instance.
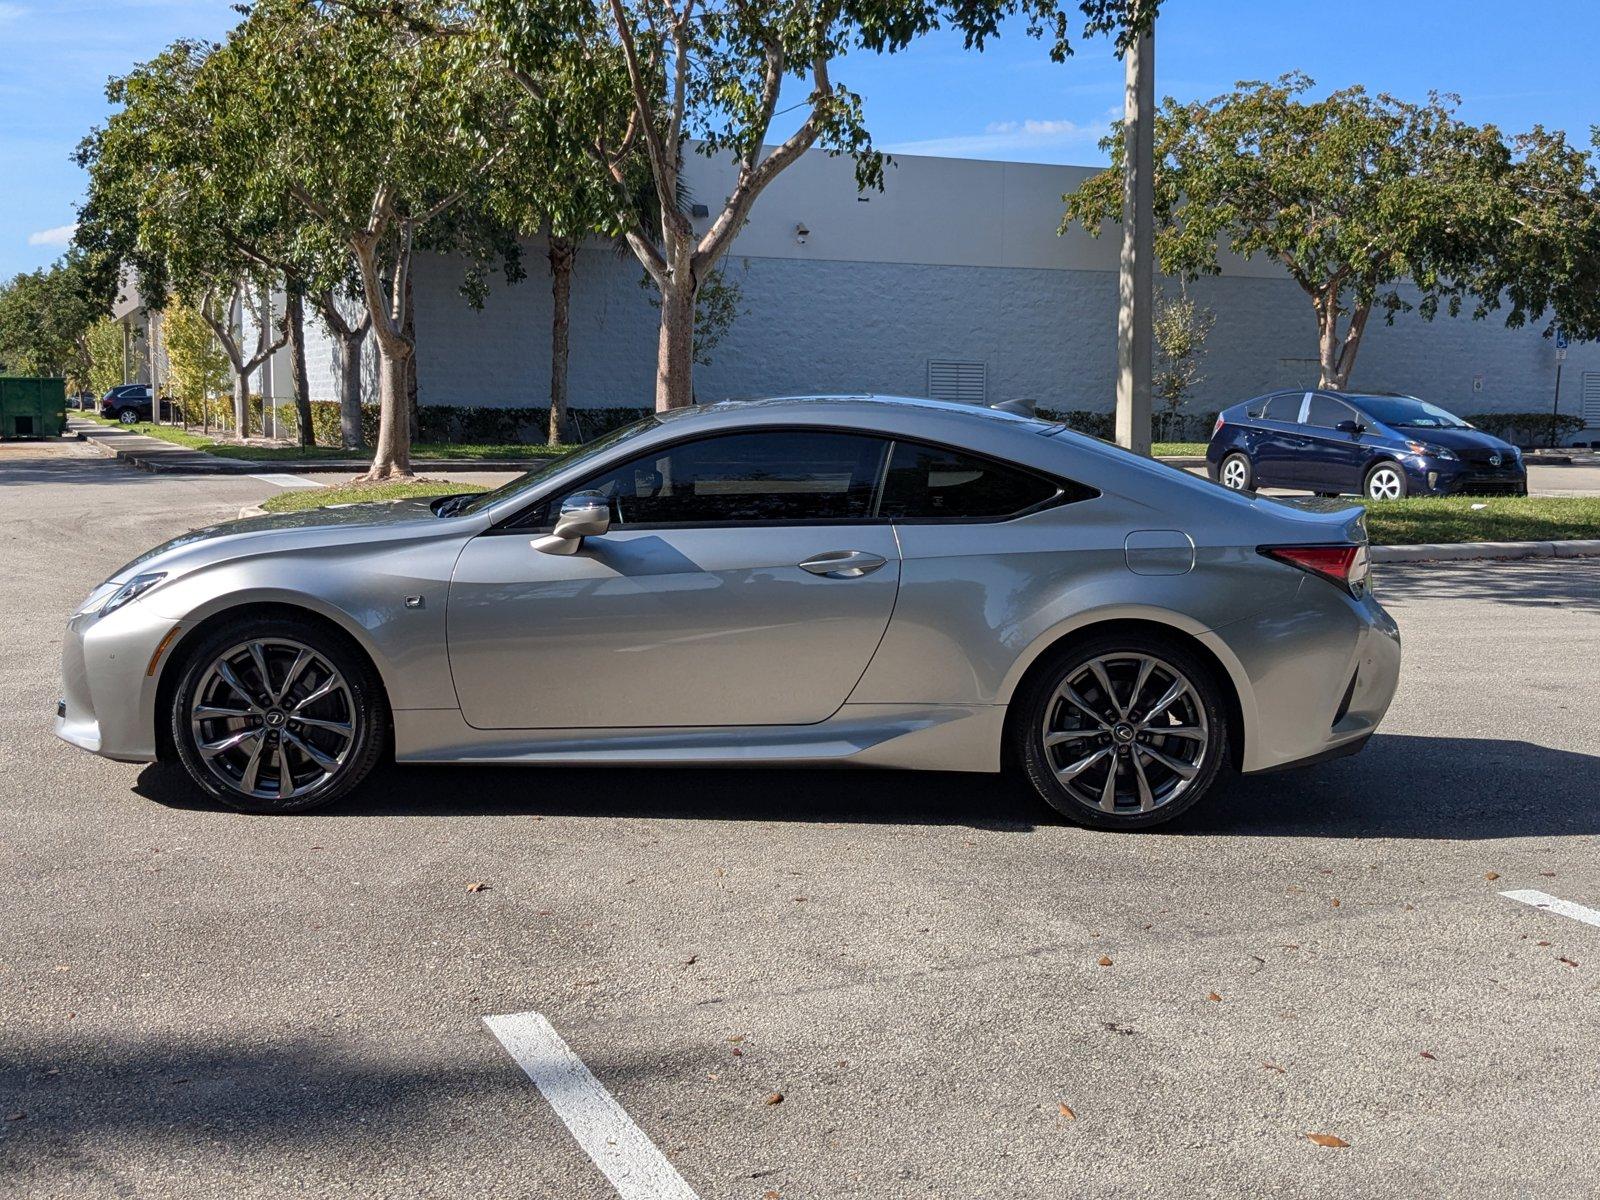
[
  {"x": 1491, "y": 875},
  {"x": 1541, "y": 943},
  {"x": 690, "y": 961},
  {"x": 1336, "y": 902},
  {"x": 1326, "y": 1139},
  {"x": 769, "y": 1194},
  {"x": 738, "y": 1037},
  {"x": 1568, "y": 961},
  {"x": 774, "y": 1098},
  {"x": 477, "y": 887},
  {"x": 16, "y": 1116},
  {"x": 1067, "y": 1112},
  {"x": 1428, "y": 1054},
  {"x": 1548, "y": 874},
  {"x": 1104, "y": 961},
  {"x": 799, "y": 899},
  {"x": 738, "y": 1053},
  {"x": 1213, "y": 997},
  {"x": 1408, "y": 908},
  {"x": 1273, "y": 1067}
]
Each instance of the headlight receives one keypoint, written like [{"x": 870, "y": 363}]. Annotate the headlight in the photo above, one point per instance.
[
  {"x": 1438, "y": 452},
  {"x": 97, "y": 597},
  {"x": 131, "y": 591}
]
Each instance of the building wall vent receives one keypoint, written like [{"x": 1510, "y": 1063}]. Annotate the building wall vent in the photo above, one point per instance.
[
  {"x": 1591, "y": 399},
  {"x": 958, "y": 380}
]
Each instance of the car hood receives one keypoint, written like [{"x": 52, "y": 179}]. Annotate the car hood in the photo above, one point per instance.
[
  {"x": 1454, "y": 439},
  {"x": 331, "y": 525}
]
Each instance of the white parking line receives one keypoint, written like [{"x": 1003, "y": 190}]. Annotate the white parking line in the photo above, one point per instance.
[
  {"x": 1565, "y": 908},
  {"x": 603, "y": 1128},
  {"x": 288, "y": 481}
]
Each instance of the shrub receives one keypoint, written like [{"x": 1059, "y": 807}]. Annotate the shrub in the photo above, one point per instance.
[{"x": 1528, "y": 428}]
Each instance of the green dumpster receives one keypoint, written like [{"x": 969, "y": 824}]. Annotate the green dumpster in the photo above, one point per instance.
[{"x": 32, "y": 407}]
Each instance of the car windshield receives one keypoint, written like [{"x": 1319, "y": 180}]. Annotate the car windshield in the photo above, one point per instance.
[
  {"x": 578, "y": 454},
  {"x": 1404, "y": 412}
]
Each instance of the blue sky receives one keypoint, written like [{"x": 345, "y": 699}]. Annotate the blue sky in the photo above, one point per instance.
[{"x": 1515, "y": 64}]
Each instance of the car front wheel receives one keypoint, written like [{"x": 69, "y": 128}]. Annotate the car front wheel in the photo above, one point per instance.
[
  {"x": 128, "y": 416},
  {"x": 1386, "y": 481},
  {"x": 278, "y": 715},
  {"x": 1123, "y": 732}
]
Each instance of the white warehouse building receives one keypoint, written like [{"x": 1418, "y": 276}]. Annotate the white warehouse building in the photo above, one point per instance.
[{"x": 951, "y": 282}]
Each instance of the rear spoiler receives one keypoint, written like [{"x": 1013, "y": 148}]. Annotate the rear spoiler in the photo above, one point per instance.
[{"x": 1327, "y": 518}]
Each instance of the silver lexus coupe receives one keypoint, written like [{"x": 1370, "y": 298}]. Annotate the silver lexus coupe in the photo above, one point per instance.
[{"x": 854, "y": 580}]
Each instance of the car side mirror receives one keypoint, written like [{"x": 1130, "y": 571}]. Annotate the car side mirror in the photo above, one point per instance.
[
  {"x": 1351, "y": 427},
  {"x": 582, "y": 514}
]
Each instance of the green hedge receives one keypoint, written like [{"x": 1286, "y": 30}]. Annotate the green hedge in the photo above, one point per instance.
[
  {"x": 1180, "y": 427},
  {"x": 438, "y": 423},
  {"x": 1528, "y": 428}
]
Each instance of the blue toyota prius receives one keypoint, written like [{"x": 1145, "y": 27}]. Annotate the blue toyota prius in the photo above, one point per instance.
[{"x": 1381, "y": 446}]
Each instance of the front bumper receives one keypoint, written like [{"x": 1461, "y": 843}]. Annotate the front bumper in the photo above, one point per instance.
[
  {"x": 108, "y": 682},
  {"x": 1440, "y": 477}
]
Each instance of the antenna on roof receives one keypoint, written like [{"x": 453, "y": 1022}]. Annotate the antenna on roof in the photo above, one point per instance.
[{"x": 1022, "y": 406}]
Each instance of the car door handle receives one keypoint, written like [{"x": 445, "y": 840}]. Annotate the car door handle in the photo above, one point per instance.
[{"x": 843, "y": 564}]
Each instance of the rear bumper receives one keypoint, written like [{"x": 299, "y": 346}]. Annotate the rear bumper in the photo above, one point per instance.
[{"x": 1320, "y": 674}]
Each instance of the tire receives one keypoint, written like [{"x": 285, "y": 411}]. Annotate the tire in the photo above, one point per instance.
[
  {"x": 1236, "y": 473},
  {"x": 323, "y": 716},
  {"x": 1385, "y": 481},
  {"x": 1157, "y": 776},
  {"x": 128, "y": 416}
]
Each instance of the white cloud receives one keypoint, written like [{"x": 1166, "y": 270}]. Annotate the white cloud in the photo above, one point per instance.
[
  {"x": 1030, "y": 138},
  {"x": 59, "y": 236}
]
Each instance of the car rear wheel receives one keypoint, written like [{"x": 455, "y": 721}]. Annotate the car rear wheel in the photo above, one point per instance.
[
  {"x": 278, "y": 715},
  {"x": 1386, "y": 481},
  {"x": 1121, "y": 732},
  {"x": 1237, "y": 473},
  {"x": 128, "y": 416}
]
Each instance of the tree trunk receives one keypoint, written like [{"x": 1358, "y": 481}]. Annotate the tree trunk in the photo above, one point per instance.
[
  {"x": 562, "y": 253},
  {"x": 675, "y": 350},
  {"x": 350, "y": 388},
  {"x": 391, "y": 457},
  {"x": 294, "y": 323},
  {"x": 1336, "y": 353},
  {"x": 241, "y": 403}
]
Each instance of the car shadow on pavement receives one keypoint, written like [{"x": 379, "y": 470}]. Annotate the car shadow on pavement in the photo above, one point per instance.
[
  {"x": 1404, "y": 786},
  {"x": 74, "y": 1106},
  {"x": 1400, "y": 787}
]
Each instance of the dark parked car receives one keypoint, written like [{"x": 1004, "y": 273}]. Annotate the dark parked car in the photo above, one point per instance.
[
  {"x": 1382, "y": 447},
  {"x": 131, "y": 402}
]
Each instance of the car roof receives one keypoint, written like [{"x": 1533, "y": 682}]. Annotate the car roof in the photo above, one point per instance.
[{"x": 862, "y": 404}]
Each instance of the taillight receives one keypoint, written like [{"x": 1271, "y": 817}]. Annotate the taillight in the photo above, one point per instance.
[
  {"x": 1217, "y": 428},
  {"x": 1345, "y": 566}
]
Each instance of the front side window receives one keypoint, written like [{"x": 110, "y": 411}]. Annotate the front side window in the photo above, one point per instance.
[
  {"x": 930, "y": 483},
  {"x": 787, "y": 475},
  {"x": 1326, "y": 413}
]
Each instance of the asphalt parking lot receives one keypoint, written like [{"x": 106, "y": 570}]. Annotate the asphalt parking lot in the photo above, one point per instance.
[{"x": 807, "y": 984}]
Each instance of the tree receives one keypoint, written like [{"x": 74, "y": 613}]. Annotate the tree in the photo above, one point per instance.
[
  {"x": 106, "y": 347},
  {"x": 45, "y": 317},
  {"x": 198, "y": 369},
  {"x": 374, "y": 134},
  {"x": 1181, "y": 327},
  {"x": 1368, "y": 202},
  {"x": 712, "y": 71}
]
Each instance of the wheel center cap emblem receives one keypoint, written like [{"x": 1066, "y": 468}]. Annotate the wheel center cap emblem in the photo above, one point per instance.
[
  {"x": 275, "y": 718},
  {"x": 1122, "y": 732}
]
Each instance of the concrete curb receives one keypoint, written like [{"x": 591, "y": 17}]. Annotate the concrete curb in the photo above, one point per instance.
[
  {"x": 1485, "y": 551},
  {"x": 252, "y": 510}
]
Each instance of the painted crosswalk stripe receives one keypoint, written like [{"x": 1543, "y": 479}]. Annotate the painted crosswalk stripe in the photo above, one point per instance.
[
  {"x": 1565, "y": 908},
  {"x": 630, "y": 1160},
  {"x": 288, "y": 481}
]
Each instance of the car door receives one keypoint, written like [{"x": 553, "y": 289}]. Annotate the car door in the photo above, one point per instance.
[
  {"x": 744, "y": 580},
  {"x": 1281, "y": 440},
  {"x": 1332, "y": 457}
]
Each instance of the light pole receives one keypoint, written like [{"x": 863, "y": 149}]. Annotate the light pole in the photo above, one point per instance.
[{"x": 1136, "y": 291}]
